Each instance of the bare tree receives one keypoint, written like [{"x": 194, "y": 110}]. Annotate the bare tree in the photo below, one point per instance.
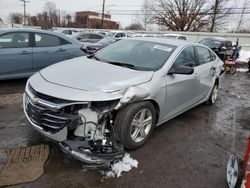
[
  {"x": 134, "y": 26},
  {"x": 33, "y": 21},
  {"x": 16, "y": 17},
  {"x": 180, "y": 15},
  {"x": 219, "y": 13},
  {"x": 69, "y": 18},
  {"x": 53, "y": 13},
  {"x": 146, "y": 11},
  {"x": 43, "y": 20}
]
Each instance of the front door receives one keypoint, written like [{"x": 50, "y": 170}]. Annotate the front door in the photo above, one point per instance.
[{"x": 182, "y": 90}]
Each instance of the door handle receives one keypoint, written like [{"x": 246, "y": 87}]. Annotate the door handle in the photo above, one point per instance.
[
  {"x": 61, "y": 50},
  {"x": 213, "y": 69},
  {"x": 24, "y": 53}
]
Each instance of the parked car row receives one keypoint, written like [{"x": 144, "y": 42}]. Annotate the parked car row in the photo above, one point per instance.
[
  {"x": 96, "y": 105},
  {"x": 36, "y": 49}
]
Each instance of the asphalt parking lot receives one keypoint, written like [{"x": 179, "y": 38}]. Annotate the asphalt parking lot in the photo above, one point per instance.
[{"x": 188, "y": 151}]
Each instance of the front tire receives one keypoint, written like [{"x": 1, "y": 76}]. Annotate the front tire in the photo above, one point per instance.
[
  {"x": 134, "y": 124},
  {"x": 214, "y": 95}
]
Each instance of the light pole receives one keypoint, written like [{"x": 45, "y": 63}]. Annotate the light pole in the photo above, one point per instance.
[
  {"x": 24, "y": 10},
  {"x": 103, "y": 7}
]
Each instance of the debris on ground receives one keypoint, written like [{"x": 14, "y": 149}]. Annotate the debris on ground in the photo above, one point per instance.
[
  {"x": 124, "y": 165},
  {"x": 242, "y": 70}
]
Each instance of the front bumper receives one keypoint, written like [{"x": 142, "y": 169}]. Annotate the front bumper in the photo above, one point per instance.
[{"x": 80, "y": 150}]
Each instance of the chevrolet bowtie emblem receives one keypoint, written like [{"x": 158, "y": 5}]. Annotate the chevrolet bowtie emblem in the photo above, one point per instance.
[{"x": 33, "y": 101}]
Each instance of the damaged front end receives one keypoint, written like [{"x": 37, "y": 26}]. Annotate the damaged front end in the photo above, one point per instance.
[{"x": 84, "y": 130}]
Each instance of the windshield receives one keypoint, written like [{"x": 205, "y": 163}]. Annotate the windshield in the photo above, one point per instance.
[
  {"x": 140, "y": 55},
  {"x": 210, "y": 43}
]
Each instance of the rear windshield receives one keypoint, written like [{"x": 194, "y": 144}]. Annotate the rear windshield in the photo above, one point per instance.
[{"x": 211, "y": 43}]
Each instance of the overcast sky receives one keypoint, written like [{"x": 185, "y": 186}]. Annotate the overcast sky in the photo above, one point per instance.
[{"x": 36, "y": 6}]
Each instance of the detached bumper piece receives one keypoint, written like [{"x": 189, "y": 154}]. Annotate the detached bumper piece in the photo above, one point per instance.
[{"x": 92, "y": 154}]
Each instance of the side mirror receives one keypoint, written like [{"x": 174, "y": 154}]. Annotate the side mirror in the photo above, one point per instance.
[
  {"x": 181, "y": 70},
  {"x": 224, "y": 48}
]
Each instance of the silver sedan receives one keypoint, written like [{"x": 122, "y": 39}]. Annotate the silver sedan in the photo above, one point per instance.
[{"x": 94, "y": 106}]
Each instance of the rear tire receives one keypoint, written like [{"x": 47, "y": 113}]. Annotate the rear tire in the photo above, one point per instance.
[
  {"x": 134, "y": 124},
  {"x": 233, "y": 70}
]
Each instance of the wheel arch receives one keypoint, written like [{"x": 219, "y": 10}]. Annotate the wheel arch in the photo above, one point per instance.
[{"x": 157, "y": 108}]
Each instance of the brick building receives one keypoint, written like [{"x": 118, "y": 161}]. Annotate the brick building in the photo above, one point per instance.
[{"x": 88, "y": 19}]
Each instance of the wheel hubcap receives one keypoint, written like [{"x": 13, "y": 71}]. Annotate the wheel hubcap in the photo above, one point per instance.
[
  {"x": 232, "y": 171},
  {"x": 141, "y": 125}
]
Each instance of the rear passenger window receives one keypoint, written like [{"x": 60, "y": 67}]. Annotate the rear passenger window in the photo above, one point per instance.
[
  {"x": 44, "y": 40},
  {"x": 186, "y": 58},
  {"x": 67, "y": 32},
  {"x": 203, "y": 55},
  {"x": 94, "y": 36},
  {"x": 118, "y": 35},
  {"x": 14, "y": 40}
]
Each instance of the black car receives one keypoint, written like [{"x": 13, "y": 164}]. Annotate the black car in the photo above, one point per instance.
[
  {"x": 220, "y": 46},
  {"x": 91, "y": 48}
]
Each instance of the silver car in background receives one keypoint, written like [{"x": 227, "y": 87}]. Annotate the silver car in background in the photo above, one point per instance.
[{"x": 94, "y": 106}]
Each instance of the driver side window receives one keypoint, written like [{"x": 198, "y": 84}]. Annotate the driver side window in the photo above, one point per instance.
[{"x": 186, "y": 58}]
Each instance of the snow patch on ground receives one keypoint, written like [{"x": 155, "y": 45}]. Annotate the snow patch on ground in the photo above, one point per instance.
[
  {"x": 244, "y": 56},
  {"x": 125, "y": 165},
  {"x": 242, "y": 70}
]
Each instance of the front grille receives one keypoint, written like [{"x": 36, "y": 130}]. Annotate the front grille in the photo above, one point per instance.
[
  {"x": 50, "y": 121},
  {"x": 47, "y": 97}
]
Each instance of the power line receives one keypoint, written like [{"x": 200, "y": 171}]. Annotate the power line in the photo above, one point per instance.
[
  {"x": 24, "y": 10},
  {"x": 226, "y": 13},
  {"x": 103, "y": 7}
]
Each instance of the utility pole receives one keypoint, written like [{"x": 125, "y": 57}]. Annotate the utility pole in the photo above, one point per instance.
[
  {"x": 24, "y": 10},
  {"x": 103, "y": 7}
]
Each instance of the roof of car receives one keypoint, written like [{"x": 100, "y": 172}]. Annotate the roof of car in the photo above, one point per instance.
[
  {"x": 173, "y": 42},
  {"x": 174, "y": 34},
  {"x": 216, "y": 38},
  {"x": 27, "y": 30},
  {"x": 38, "y": 31}
]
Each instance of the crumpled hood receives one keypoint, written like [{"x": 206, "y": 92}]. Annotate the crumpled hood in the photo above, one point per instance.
[{"x": 91, "y": 75}]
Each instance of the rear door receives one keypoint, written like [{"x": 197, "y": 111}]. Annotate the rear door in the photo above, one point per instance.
[
  {"x": 206, "y": 70},
  {"x": 15, "y": 55},
  {"x": 49, "y": 49},
  {"x": 182, "y": 90}
]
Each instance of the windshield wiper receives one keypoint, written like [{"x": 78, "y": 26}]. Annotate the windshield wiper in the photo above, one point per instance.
[
  {"x": 122, "y": 64},
  {"x": 93, "y": 56}
]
